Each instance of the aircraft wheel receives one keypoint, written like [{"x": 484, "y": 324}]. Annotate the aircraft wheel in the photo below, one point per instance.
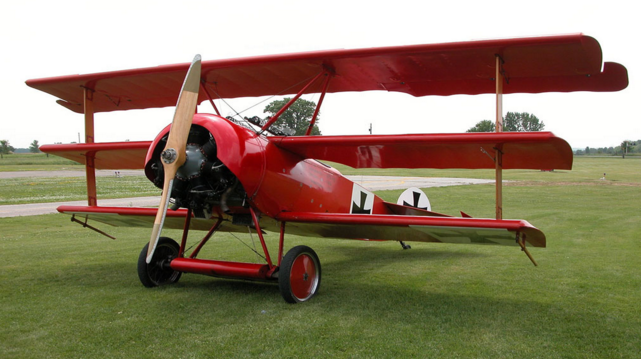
[
  {"x": 299, "y": 275},
  {"x": 158, "y": 271}
]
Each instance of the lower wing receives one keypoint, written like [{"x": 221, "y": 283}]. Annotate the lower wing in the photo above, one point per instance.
[
  {"x": 413, "y": 228},
  {"x": 339, "y": 225},
  {"x": 135, "y": 217}
]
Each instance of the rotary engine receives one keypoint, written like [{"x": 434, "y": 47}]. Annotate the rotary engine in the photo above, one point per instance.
[{"x": 203, "y": 183}]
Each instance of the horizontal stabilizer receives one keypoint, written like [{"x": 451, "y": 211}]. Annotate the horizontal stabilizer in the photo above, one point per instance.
[
  {"x": 108, "y": 155},
  {"x": 521, "y": 150}
]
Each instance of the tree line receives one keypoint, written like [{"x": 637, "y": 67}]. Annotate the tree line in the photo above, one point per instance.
[
  {"x": 6, "y": 148},
  {"x": 626, "y": 148},
  {"x": 512, "y": 122},
  {"x": 523, "y": 121}
]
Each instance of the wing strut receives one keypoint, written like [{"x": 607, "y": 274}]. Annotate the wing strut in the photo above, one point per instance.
[
  {"x": 291, "y": 102},
  {"x": 90, "y": 167},
  {"x": 211, "y": 100},
  {"x": 84, "y": 224},
  {"x": 520, "y": 239},
  {"x": 320, "y": 102},
  {"x": 498, "y": 159}
]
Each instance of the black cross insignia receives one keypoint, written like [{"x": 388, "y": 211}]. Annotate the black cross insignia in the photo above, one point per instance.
[
  {"x": 361, "y": 209},
  {"x": 417, "y": 195}
]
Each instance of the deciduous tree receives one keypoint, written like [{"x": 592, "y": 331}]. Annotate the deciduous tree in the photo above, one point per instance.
[
  {"x": 512, "y": 122},
  {"x": 34, "y": 147},
  {"x": 522, "y": 122},
  {"x": 483, "y": 126},
  {"x": 5, "y": 148},
  {"x": 296, "y": 117}
]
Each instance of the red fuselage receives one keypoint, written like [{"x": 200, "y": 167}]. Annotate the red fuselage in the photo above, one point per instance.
[{"x": 276, "y": 180}]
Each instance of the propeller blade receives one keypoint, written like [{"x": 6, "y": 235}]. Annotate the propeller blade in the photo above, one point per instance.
[{"x": 173, "y": 156}]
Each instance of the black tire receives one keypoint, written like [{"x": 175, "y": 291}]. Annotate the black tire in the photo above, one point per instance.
[
  {"x": 158, "y": 272},
  {"x": 299, "y": 275}
]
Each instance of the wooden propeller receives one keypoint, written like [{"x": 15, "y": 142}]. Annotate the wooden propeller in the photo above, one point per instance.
[{"x": 173, "y": 156}]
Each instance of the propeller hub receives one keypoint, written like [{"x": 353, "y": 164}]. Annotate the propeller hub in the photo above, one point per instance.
[{"x": 168, "y": 156}]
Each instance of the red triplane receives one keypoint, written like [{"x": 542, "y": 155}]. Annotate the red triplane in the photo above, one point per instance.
[{"x": 216, "y": 171}]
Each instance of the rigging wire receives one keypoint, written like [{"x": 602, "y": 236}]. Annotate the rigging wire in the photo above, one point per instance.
[
  {"x": 247, "y": 245},
  {"x": 252, "y": 237},
  {"x": 238, "y": 114}
]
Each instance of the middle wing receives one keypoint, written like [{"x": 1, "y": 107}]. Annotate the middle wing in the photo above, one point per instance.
[
  {"x": 107, "y": 155},
  {"x": 521, "y": 150}
]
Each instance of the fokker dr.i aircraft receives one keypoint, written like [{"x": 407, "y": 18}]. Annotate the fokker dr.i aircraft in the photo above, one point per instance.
[{"x": 216, "y": 171}]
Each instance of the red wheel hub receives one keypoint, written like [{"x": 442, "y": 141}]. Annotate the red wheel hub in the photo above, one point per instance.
[{"x": 303, "y": 277}]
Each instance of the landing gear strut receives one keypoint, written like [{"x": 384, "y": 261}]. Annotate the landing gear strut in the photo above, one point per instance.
[{"x": 298, "y": 272}]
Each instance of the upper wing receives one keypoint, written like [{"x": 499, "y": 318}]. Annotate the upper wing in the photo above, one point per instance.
[
  {"x": 521, "y": 150},
  {"x": 108, "y": 155},
  {"x": 531, "y": 65},
  {"x": 413, "y": 228}
]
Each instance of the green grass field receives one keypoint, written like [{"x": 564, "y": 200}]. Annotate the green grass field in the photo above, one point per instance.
[
  {"x": 36, "y": 162},
  {"x": 69, "y": 292}
]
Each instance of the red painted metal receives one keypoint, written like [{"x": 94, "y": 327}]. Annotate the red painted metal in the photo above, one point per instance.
[
  {"x": 125, "y": 211},
  {"x": 221, "y": 268},
  {"x": 211, "y": 100},
  {"x": 281, "y": 242},
  {"x": 533, "y": 65},
  {"x": 291, "y": 102},
  {"x": 143, "y": 217},
  {"x": 320, "y": 103},
  {"x": 262, "y": 239},
  {"x": 90, "y": 163},
  {"x": 303, "y": 276},
  {"x": 522, "y": 150},
  {"x": 409, "y": 228},
  {"x": 90, "y": 173}
]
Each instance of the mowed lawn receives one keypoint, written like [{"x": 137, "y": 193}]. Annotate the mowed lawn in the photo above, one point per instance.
[{"x": 70, "y": 292}]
